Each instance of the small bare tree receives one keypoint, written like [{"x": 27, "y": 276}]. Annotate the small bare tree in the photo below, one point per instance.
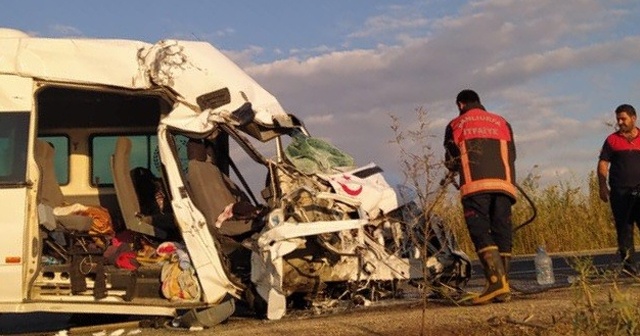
[
  {"x": 425, "y": 173},
  {"x": 422, "y": 170}
]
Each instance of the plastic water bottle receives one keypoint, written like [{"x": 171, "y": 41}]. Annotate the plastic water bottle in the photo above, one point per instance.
[{"x": 544, "y": 267}]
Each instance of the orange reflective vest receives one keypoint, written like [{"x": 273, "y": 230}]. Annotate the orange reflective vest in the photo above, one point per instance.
[{"x": 479, "y": 146}]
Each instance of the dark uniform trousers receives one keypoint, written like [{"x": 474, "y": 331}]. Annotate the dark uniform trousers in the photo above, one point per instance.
[
  {"x": 626, "y": 210},
  {"x": 488, "y": 218}
]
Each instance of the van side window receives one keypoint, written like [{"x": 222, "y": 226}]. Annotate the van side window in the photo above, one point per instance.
[
  {"x": 61, "y": 144},
  {"x": 14, "y": 130},
  {"x": 143, "y": 149}
]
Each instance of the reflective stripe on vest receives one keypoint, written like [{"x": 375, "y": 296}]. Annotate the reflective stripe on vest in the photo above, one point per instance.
[{"x": 488, "y": 185}]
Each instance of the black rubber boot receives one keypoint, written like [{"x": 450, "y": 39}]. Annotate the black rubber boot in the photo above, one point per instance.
[
  {"x": 494, "y": 274},
  {"x": 506, "y": 261}
]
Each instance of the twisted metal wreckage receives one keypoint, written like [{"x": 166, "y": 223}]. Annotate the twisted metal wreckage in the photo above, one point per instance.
[{"x": 326, "y": 228}]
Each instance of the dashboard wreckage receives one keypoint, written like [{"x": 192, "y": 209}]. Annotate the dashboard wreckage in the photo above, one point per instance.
[{"x": 125, "y": 190}]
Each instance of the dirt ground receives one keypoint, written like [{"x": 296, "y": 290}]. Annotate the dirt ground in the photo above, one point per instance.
[
  {"x": 546, "y": 313},
  {"x": 411, "y": 319},
  {"x": 543, "y": 313}
]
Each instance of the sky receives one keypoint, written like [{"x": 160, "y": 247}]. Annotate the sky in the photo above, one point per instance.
[{"x": 556, "y": 70}]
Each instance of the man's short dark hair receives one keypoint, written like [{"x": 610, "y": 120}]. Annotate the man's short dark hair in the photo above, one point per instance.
[
  {"x": 467, "y": 97},
  {"x": 627, "y": 109}
]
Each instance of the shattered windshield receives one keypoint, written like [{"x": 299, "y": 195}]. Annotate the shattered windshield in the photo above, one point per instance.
[
  {"x": 14, "y": 130},
  {"x": 314, "y": 155}
]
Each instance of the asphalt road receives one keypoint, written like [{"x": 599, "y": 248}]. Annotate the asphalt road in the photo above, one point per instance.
[{"x": 522, "y": 276}]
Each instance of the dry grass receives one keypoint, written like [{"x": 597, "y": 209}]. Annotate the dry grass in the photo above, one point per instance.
[{"x": 569, "y": 218}]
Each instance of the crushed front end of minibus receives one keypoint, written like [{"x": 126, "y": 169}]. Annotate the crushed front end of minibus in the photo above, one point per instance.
[{"x": 323, "y": 229}]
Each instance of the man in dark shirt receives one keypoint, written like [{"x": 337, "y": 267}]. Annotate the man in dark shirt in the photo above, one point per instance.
[{"x": 620, "y": 159}]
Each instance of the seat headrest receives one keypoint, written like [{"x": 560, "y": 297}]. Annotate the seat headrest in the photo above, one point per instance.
[{"x": 49, "y": 193}]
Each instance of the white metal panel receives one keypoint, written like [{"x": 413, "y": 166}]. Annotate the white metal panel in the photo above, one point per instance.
[
  {"x": 55, "y": 304},
  {"x": 15, "y": 96},
  {"x": 194, "y": 68},
  {"x": 12, "y": 224},
  {"x": 109, "y": 62},
  {"x": 189, "y": 68},
  {"x": 15, "y": 93},
  {"x": 202, "y": 250}
]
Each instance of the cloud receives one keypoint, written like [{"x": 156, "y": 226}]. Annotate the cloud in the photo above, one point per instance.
[
  {"x": 565, "y": 58},
  {"x": 384, "y": 24},
  {"x": 244, "y": 58},
  {"x": 319, "y": 119},
  {"x": 512, "y": 52},
  {"x": 225, "y": 32},
  {"x": 60, "y": 30},
  {"x": 308, "y": 52},
  {"x": 548, "y": 134},
  {"x": 553, "y": 172}
]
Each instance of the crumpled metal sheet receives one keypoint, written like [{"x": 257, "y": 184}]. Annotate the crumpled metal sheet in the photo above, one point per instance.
[{"x": 189, "y": 68}]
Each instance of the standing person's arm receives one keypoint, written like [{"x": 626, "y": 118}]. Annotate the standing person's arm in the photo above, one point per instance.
[
  {"x": 512, "y": 144},
  {"x": 452, "y": 152},
  {"x": 603, "y": 170}
]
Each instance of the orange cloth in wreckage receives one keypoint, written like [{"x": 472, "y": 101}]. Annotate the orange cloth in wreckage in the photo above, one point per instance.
[
  {"x": 486, "y": 153},
  {"x": 101, "y": 219}
]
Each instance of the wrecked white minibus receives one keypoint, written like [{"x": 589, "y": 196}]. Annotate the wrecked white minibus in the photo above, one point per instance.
[{"x": 121, "y": 192}]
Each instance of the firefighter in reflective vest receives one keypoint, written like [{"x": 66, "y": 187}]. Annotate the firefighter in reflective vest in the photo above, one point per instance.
[{"x": 480, "y": 149}]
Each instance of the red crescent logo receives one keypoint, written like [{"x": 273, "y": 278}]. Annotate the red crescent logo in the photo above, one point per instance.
[{"x": 349, "y": 191}]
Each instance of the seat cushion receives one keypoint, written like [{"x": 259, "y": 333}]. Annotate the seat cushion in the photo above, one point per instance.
[{"x": 75, "y": 222}]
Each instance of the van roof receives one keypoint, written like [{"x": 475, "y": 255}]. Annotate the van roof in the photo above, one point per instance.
[{"x": 188, "y": 68}]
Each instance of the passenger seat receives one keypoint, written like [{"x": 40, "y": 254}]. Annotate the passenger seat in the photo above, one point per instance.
[
  {"x": 212, "y": 191},
  {"x": 155, "y": 225}
]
